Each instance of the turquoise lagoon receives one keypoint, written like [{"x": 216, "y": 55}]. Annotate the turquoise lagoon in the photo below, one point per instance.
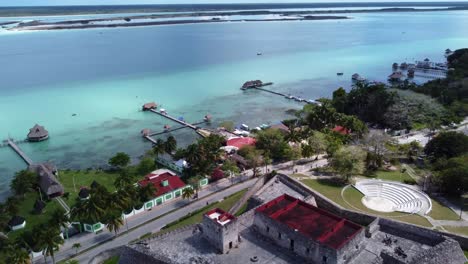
[{"x": 105, "y": 75}]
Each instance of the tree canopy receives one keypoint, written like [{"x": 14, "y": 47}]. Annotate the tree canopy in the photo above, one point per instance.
[
  {"x": 120, "y": 160},
  {"x": 447, "y": 145}
]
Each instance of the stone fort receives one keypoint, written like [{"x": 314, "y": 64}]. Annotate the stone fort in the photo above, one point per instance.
[{"x": 289, "y": 223}]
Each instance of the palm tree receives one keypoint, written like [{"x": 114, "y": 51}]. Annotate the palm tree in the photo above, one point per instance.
[
  {"x": 60, "y": 219},
  {"x": 18, "y": 255},
  {"x": 195, "y": 183},
  {"x": 52, "y": 240},
  {"x": 113, "y": 222},
  {"x": 76, "y": 246},
  {"x": 187, "y": 193},
  {"x": 170, "y": 145},
  {"x": 159, "y": 147},
  {"x": 147, "y": 192},
  {"x": 119, "y": 201}
]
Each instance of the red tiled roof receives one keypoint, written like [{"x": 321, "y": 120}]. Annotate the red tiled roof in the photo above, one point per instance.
[
  {"x": 311, "y": 221},
  {"x": 341, "y": 130},
  {"x": 239, "y": 142},
  {"x": 174, "y": 183}
]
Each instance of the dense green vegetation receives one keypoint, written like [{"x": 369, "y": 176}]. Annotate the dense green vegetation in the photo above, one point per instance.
[
  {"x": 448, "y": 153},
  {"x": 452, "y": 91}
]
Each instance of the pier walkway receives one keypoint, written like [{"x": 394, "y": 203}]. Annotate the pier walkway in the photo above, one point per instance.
[
  {"x": 174, "y": 119},
  {"x": 12, "y": 145},
  {"x": 174, "y": 129}
]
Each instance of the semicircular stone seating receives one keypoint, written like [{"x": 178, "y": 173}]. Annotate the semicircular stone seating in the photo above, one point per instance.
[{"x": 405, "y": 198}]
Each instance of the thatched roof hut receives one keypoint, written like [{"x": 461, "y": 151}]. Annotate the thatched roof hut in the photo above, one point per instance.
[
  {"x": 38, "y": 133},
  {"x": 47, "y": 180},
  {"x": 17, "y": 222},
  {"x": 149, "y": 106}
]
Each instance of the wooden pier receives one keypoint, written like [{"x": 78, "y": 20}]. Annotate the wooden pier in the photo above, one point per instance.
[
  {"x": 173, "y": 129},
  {"x": 12, "y": 145},
  {"x": 174, "y": 119}
]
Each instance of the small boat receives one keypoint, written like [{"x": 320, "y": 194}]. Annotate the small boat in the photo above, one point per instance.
[
  {"x": 288, "y": 96},
  {"x": 244, "y": 127},
  {"x": 339, "y": 73},
  {"x": 167, "y": 127},
  {"x": 207, "y": 118},
  {"x": 73, "y": 114},
  {"x": 259, "y": 54},
  {"x": 163, "y": 111},
  {"x": 299, "y": 99}
]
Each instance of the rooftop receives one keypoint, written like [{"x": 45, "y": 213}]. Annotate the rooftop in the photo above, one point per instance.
[
  {"x": 239, "y": 142},
  {"x": 165, "y": 182},
  {"x": 37, "y": 132},
  {"x": 312, "y": 222},
  {"x": 220, "y": 216}
]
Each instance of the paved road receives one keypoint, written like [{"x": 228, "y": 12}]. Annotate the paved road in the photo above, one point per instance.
[
  {"x": 88, "y": 240},
  {"x": 143, "y": 223}
]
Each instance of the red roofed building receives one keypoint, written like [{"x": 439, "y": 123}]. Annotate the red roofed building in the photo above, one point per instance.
[
  {"x": 341, "y": 130},
  {"x": 239, "y": 142},
  {"x": 311, "y": 232},
  {"x": 168, "y": 186}
]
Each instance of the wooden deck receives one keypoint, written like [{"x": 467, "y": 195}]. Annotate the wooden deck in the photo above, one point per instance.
[
  {"x": 19, "y": 152},
  {"x": 174, "y": 119}
]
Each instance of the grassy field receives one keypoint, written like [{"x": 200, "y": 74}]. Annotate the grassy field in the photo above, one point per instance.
[
  {"x": 462, "y": 230},
  {"x": 332, "y": 191},
  {"x": 393, "y": 176},
  {"x": 440, "y": 212},
  {"x": 25, "y": 210},
  {"x": 113, "y": 260},
  {"x": 197, "y": 217},
  {"x": 84, "y": 179}
]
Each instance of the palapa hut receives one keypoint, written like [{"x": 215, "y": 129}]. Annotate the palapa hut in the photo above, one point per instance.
[
  {"x": 145, "y": 132},
  {"x": 84, "y": 194},
  {"x": 404, "y": 65},
  {"x": 149, "y": 106},
  {"x": 39, "y": 207},
  {"x": 17, "y": 222},
  {"x": 38, "y": 133},
  {"x": 47, "y": 180},
  {"x": 395, "y": 77},
  {"x": 355, "y": 77},
  {"x": 395, "y": 65},
  {"x": 411, "y": 73}
]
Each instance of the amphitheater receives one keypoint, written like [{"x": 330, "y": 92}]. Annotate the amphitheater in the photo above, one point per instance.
[{"x": 387, "y": 196}]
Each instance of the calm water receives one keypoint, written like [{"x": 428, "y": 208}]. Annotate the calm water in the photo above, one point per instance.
[{"x": 105, "y": 75}]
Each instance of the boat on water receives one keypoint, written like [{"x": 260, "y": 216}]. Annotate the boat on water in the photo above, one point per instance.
[
  {"x": 339, "y": 73},
  {"x": 299, "y": 99},
  {"x": 163, "y": 111},
  {"x": 259, "y": 54},
  {"x": 288, "y": 96}
]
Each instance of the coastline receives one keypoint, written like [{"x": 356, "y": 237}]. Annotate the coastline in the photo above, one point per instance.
[{"x": 41, "y": 27}]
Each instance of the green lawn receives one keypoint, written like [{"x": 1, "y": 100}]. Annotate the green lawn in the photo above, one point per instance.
[
  {"x": 84, "y": 178},
  {"x": 242, "y": 210},
  {"x": 332, "y": 191},
  {"x": 113, "y": 260},
  {"x": 393, "y": 176},
  {"x": 197, "y": 217},
  {"x": 462, "y": 230},
  {"x": 25, "y": 210},
  {"x": 440, "y": 212}
]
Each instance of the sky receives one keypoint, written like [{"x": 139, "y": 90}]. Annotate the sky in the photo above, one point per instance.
[{"x": 127, "y": 2}]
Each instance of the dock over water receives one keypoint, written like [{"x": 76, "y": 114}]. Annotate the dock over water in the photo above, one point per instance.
[
  {"x": 15, "y": 147},
  {"x": 174, "y": 119}
]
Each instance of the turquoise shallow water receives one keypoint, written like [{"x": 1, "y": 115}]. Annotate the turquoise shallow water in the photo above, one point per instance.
[{"x": 104, "y": 76}]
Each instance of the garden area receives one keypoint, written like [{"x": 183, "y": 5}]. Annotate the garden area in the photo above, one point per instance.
[{"x": 72, "y": 181}]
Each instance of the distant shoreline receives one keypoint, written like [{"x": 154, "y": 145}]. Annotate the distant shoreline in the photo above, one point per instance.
[
  {"x": 174, "y": 22},
  {"x": 115, "y": 9},
  {"x": 188, "y": 18}
]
